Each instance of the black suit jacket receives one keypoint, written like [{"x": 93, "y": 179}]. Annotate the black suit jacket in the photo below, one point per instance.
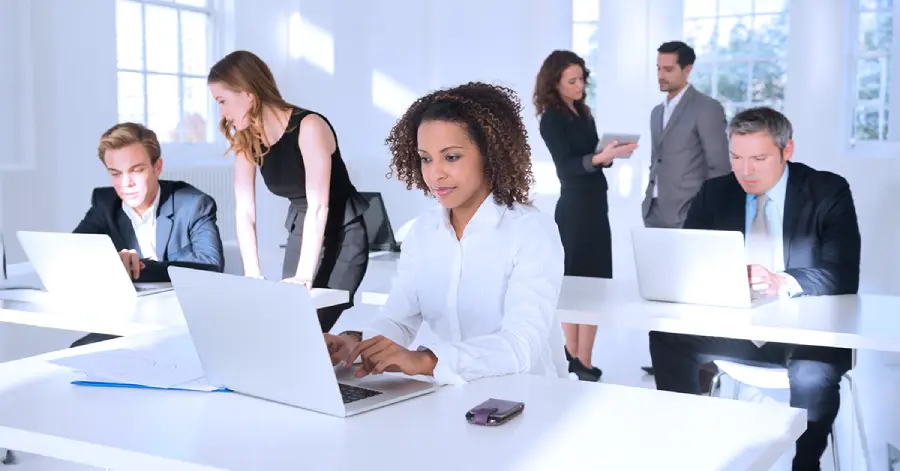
[
  {"x": 186, "y": 230},
  {"x": 821, "y": 232}
]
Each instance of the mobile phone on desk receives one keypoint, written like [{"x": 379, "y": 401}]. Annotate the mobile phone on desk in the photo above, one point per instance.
[{"x": 494, "y": 412}]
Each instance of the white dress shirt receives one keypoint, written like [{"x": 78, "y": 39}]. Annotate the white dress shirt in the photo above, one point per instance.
[
  {"x": 145, "y": 227},
  {"x": 775, "y": 216},
  {"x": 669, "y": 108},
  {"x": 490, "y": 297}
]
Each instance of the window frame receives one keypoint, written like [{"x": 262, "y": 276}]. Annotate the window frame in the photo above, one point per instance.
[
  {"x": 181, "y": 153},
  {"x": 590, "y": 91},
  {"x": 876, "y": 148},
  {"x": 715, "y": 61}
]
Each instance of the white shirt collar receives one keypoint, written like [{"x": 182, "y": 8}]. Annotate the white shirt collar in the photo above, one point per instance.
[
  {"x": 675, "y": 99},
  {"x": 487, "y": 215}
]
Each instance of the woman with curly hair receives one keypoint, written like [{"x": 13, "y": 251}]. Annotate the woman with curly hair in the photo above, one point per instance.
[
  {"x": 569, "y": 131},
  {"x": 483, "y": 269}
]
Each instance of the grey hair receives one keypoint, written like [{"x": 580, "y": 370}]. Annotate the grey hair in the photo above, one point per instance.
[{"x": 762, "y": 119}]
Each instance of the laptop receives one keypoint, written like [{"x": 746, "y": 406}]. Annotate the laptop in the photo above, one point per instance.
[
  {"x": 82, "y": 266},
  {"x": 694, "y": 266},
  {"x": 262, "y": 339}
]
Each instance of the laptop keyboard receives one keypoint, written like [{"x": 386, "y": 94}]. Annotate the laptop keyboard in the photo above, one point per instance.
[{"x": 354, "y": 393}]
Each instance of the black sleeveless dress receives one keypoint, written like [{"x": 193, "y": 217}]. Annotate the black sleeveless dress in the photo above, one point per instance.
[{"x": 345, "y": 251}]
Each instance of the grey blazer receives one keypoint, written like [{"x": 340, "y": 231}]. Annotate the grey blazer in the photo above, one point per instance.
[{"x": 691, "y": 149}]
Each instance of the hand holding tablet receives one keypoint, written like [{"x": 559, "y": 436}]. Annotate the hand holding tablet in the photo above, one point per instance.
[{"x": 620, "y": 145}]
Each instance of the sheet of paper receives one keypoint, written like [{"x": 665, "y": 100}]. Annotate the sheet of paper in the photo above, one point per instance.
[{"x": 164, "y": 364}]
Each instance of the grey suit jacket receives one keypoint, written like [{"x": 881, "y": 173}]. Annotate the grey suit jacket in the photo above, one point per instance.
[{"x": 690, "y": 150}]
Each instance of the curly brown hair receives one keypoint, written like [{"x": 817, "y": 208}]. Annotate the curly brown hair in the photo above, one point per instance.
[
  {"x": 493, "y": 121},
  {"x": 546, "y": 93}
]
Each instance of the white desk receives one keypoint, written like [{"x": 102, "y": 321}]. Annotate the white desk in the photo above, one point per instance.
[
  {"x": 623, "y": 428},
  {"x": 866, "y": 321},
  {"x": 141, "y": 314}
]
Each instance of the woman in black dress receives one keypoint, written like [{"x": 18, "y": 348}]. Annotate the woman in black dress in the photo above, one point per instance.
[
  {"x": 298, "y": 156},
  {"x": 570, "y": 134}
]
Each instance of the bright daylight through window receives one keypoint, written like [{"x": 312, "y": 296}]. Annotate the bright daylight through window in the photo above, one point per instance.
[
  {"x": 873, "y": 45},
  {"x": 585, "y": 15},
  {"x": 741, "y": 50},
  {"x": 164, "y": 49}
]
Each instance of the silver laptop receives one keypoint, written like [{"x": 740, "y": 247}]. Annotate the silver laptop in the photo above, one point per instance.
[
  {"x": 262, "y": 338},
  {"x": 82, "y": 266},
  {"x": 694, "y": 266}
]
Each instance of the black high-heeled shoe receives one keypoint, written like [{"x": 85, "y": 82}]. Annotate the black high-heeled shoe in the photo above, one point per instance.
[{"x": 583, "y": 372}]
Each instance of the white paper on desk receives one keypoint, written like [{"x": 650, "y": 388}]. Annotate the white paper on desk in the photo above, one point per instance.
[{"x": 170, "y": 363}]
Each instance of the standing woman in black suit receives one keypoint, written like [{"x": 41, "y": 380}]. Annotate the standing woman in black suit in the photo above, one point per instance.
[
  {"x": 570, "y": 134},
  {"x": 297, "y": 153}
]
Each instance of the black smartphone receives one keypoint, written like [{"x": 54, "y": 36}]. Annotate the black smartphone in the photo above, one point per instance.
[{"x": 494, "y": 412}]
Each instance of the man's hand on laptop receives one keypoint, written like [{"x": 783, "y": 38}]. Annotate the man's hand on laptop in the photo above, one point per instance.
[
  {"x": 132, "y": 262},
  {"x": 761, "y": 279},
  {"x": 381, "y": 355}
]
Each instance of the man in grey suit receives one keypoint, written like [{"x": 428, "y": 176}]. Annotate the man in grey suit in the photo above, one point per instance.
[{"x": 689, "y": 142}]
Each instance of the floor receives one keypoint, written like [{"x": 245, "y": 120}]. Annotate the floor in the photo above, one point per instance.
[{"x": 619, "y": 353}]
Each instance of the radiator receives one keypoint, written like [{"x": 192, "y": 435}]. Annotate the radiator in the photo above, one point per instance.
[{"x": 218, "y": 182}]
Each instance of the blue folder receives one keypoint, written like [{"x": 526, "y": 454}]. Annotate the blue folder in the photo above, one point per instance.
[{"x": 141, "y": 386}]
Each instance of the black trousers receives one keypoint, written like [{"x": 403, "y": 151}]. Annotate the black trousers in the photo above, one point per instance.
[
  {"x": 342, "y": 263},
  {"x": 814, "y": 372}
]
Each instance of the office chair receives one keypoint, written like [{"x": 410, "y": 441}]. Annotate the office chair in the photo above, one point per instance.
[
  {"x": 777, "y": 378},
  {"x": 378, "y": 225}
]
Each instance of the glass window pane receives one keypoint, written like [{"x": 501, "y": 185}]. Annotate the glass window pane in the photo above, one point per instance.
[
  {"x": 699, "y": 8},
  {"x": 770, "y": 6},
  {"x": 193, "y": 3},
  {"x": 875, "y": 4},
  {"x": 700, "y": 34},
  {"x": 735, "y": 7},
  {"x": 701, "y": 77},
  {"x": 585, "y": 10},
  {"x": 876, "y": 31},
  {"x": 769, "y": 36},
  {"x": 584, "y": 40},
  {"x": 734, "y": 37},
  {"x": 866, "y": 128},
  {"x": 131, "y": 97},
  {"x": 769, "y": 79},
  {"x": 163, "y": 105},
  {"x": 869, "y": 75},
  {"x": 196, "y": 111},
  {"x": 733, "y": 81},
  {"x": 162, "y": 39},
  {"x": 129, "y": 35},
  {"x": 194, "y": 44}
]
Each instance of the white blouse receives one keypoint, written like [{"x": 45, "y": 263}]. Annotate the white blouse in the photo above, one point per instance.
[{"x": 490, "y": 297}]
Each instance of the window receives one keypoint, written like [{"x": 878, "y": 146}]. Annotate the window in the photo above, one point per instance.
[
  {"x": 164, "y": 48},
  {"x": 585, "y": 15},
  {"x": 741, "y": 48},
  {"x": 873, "y": 44}
]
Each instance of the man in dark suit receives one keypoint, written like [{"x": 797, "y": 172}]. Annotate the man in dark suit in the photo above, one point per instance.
[
  {"x": 153, "y": 223},
  {"x": 802, "y": 239}
]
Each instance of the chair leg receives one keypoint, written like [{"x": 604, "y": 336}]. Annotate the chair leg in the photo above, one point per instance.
[
  {"x": 834, "y": 449},
  {"x": 715, "y": 383},
  {"x": 10, "y": 458},
  {"x": 860, "y": 428}
]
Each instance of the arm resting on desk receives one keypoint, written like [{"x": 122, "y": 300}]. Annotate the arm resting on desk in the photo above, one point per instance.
[
  {"x": 205, "y": 252},
  {"x": 839, "y": 250},
  {"x": 529, "y": 316}
]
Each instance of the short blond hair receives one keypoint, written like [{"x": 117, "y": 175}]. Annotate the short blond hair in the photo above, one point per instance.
[{"x": 126, "y": 134}]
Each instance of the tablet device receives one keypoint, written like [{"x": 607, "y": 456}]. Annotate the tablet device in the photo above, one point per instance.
[{"x": 622, "y": 138}]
